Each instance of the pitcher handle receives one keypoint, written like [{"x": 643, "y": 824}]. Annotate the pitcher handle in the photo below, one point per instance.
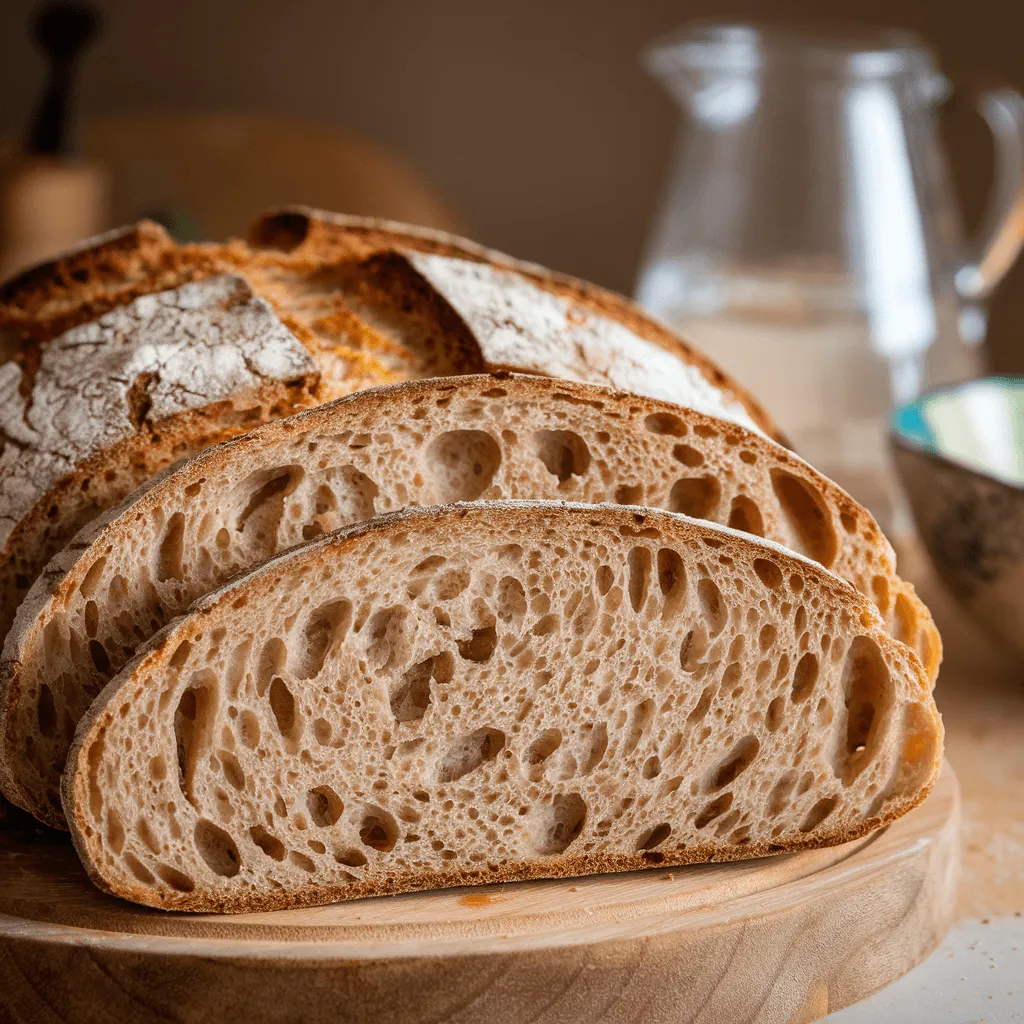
[{"x": 1002, "y": 232}]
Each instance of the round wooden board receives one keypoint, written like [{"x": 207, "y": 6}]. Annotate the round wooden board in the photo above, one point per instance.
[{"x": 786, "y": 938}]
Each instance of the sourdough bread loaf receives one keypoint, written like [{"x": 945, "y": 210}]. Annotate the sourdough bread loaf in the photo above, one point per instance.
[
  {"x": 132, "y": 352},
  {"x": 496, "y": 691},
  {"x": 419, "y": 443}
]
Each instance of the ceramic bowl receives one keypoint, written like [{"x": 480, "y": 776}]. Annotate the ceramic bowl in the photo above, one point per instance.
[{"x": 959, "y": 451}]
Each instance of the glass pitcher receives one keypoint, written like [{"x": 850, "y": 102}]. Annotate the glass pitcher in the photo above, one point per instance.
[{"x": 809, "y": 242}]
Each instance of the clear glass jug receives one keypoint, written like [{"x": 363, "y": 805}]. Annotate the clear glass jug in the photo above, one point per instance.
[{"x": 809, "y": 242}]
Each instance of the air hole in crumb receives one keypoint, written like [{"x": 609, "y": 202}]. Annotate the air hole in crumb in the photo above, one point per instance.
[
  {"x": 808, "y": 515},
  {"x": 350, "y": 858},
  {"x": 480, "y": 645},
  {"x": 115, "y": 831},
  {"x": 849, "y": 521},
  {"x": 655, "y": 836},
  {"x": 692, "y": 649},
  {"x": 880, "y": 589},
  {"x": 100, "y": 658},
  {"x": 638, "y": 564},
  {"x": 170, "y": 552},
  {"x": 174, "y": 878},
  {"x": 640, "y": 720},
  {"x": 804, "y": 678},
  {"x": 193, "y": 720},
  {"x": 232, "y": 769},
  {"x": 818, "y": 813},
  {"x": 768, "y": 573},
  {"x": 462, "y": 464},
  {"x": 715, "y": 612},
  {"x": 695, "y": 496},
  {"x": 605, "y": 579},
  {"x": 271, "y": 663},
  {"x": 217, "y": 848},
  {"x": 778, "y": 798},
  {"x": 868, "y": 697},
  {"x": 773, "y": 716},
  {"x": 665, "y": 423},
  {"x": 554, "y": 826},
  {"x": 744, "y": 515},
  {"x": 324, "y": 805},
  {"x": 282, "y": 704},
  {"x": 671, "y": 579},
  {"x": 629, "y": 494},
  {"x": 378, "y": 830},
  {"x": 469, "y": 753},
  {"x": 249, "y": 729},
  {"x": 543, "y": 746},
  {"x": 713, "y": 810},
  {"x": 652, "y": 767},
  {"x": 411, "y": 696},
  {"x": 565, "y": 454},
  {"x": 511, "y": 604},
  {"x": 269, "y": 844},
  {"x": 323, "y": 630},
  {"x": 180, "y": 655},
  {"x": 546, "y": 625},
  {"x": 688, "y": 456},
  {"x": 594, "y": 751},
  {"x": 300, "y": 860},
  {"x": 261, "y": 516},
  {"x": 737, "y": 761},
  {"x": 92, "y": 578},
  {"x": 138, "y": 869},
  {"x": 387, "y": 641}
]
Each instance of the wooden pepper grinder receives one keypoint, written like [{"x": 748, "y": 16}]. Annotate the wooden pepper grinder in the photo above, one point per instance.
[{"x": 51, "y": 198}]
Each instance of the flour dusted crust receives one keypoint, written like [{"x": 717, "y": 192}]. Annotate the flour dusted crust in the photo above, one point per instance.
[
  {"x": 157, "y": 357},
  {"x": 515, "y": 323},
  {"x": 151, "y": 371},
  {"x": 490, "y": 692}
]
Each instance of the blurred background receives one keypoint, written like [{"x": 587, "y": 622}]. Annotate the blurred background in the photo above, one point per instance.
[
  {"x": 534, "y": 122},
  {"x": 818, "y": 204}
]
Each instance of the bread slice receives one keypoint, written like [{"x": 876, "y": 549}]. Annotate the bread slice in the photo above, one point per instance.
[
  {"x": 419, "y": 443},
  {"x": 132, "y": 352},
  {"x": 496, "y": 691}
]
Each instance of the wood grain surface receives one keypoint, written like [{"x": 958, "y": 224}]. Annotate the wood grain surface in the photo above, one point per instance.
[{"x": 785, "y": 939}]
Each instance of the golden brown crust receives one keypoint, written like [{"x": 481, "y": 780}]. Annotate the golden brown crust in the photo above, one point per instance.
[{"x": 320, "y": 237}]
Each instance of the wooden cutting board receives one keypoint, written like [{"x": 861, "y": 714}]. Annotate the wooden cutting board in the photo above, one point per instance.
[{"x": 784, "y": 939}]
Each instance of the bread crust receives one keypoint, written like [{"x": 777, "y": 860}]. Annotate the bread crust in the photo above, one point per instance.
[
  {"x": 593, "y": 335},
  {"x": 516, "y": 519},
  {"x": 308, "y": 233}
]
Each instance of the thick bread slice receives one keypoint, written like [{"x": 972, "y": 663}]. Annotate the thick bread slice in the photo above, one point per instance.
[
  {"x": 419, "y": 443},
  {"x": 496, "y": 691},
  {"x": 375, "y": 302}
]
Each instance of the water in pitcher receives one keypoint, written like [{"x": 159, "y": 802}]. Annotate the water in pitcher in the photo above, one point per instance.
[{"x": 814, "y": 360}]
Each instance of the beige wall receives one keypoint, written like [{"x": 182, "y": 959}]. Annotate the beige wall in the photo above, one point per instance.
[{"x": 533, "y": 118}]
